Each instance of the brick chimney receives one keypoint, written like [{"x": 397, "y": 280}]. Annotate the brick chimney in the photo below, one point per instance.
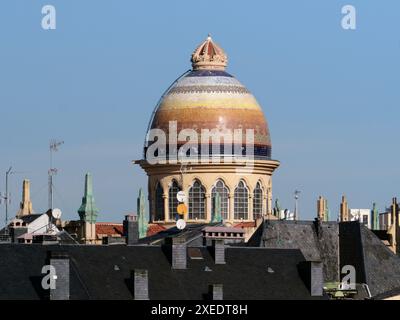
[
  {"x": 60, "y": 261},
  {"x": 344, "y": 210},
  {"x": 141, "y": 284},
  {"x": 216, "y": 292},
  {"x": 219, "y": 251},
  {"x": 131, "y": 229}
]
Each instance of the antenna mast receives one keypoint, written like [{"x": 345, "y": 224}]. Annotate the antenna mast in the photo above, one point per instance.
[
  {"x": 6, "y": 197},
  {"x": 54, "y": 144},
  {"x": 296, "y": 204}
]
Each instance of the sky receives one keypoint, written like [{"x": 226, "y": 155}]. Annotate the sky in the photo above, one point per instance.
[{"x": 331, "y": 96}]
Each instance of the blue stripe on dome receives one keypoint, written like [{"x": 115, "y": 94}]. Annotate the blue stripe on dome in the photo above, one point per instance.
[{"x": 209, "y": 73}]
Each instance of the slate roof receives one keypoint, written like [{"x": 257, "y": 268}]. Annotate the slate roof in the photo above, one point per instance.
[
  {"x": 377, "y": 265},
  {"x": 336, "y": 244},
  {"x": 193, "y": 233},
  {"x": 104, "y": 272},
  {"x": 30, "y": 218}
]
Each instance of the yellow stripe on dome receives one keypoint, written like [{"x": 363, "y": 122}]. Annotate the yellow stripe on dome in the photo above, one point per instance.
[{"x": 172, "y": 102}]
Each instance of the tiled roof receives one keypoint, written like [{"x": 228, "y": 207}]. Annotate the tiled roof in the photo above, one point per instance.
[
  {"x": 109, "y": 229},
  {"x": 154, "y": 228},
  {"x": 247, "y": 224}
]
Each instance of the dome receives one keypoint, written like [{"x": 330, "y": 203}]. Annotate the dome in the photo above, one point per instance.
[{"x": 207, "y": 97}]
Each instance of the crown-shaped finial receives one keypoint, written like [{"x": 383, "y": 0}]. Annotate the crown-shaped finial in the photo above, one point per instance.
[{"x": 209, "y": 55}]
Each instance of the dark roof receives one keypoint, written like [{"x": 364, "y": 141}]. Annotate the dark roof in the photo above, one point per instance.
[
  {"x": 192, "y": 232},
  {"x": 317, "y": 242},
  {"x": 104, "y": 272},
  {"x": 65, "y": 238},
  {"x": 387, "y": 294},
  {"x": 382, "y": 267},
  {"x": 336, "y": 245},
  {"x": 30, "y": 218}
]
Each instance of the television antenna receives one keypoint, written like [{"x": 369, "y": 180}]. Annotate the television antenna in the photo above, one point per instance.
[
  {"x": 54, "y": 145},
  {"x": 6, "y": 198},
  {"x": 296, "y": 204}
]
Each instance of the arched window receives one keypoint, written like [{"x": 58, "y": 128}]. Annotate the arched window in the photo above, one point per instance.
[
  {"x": 159, "y": 204},
  {"x": 224, "y": 194},
  {"x": 172, "y": 200},
  {"x": 197, "y": 201},
  {"x": 257, "y": 200},
  {"x": 241, "y": 210}
]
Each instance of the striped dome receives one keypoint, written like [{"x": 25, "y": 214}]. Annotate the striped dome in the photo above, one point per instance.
[{"x": 210, "y": 98}]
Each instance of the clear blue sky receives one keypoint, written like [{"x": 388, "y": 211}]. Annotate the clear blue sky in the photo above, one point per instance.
[{"x": 331, "y": 96}]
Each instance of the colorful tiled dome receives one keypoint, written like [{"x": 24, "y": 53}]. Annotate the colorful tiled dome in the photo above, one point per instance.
[{"x": 208, "y": 97}]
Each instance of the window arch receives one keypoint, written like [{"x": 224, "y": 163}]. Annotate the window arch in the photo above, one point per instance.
[
  {"x": 224, "y": 194},
  {"x": 172, "y": 200},
  {"x": 197, "y": 201},
  {"x": 241, "y": 210},
  {"x": 258, "y": 200},
  {"x": 159, "y": 204}
]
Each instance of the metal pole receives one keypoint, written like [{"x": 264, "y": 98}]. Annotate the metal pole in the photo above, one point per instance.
[
  {"x": 6, "y": 197},
  {"x": 296, "y": 205}
]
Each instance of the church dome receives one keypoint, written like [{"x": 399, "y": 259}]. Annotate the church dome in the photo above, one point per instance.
[{"x": 207, "y": 97}]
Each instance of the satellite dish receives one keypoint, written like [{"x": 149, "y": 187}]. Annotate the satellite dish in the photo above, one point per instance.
[
  {"x": 182, "y": 209},
  {"x": 181, "y": 224},
  {"x": 56, "y": 213},
  {"x": 181, "y": 196}
]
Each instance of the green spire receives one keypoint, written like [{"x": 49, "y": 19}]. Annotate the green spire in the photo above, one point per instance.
[
  {"x": 88, "y": 211},
  {"x": 141, "y": 212},
  {"x": 217, "y": 217}
]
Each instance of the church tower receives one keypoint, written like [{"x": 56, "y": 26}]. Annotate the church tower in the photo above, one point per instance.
[{"x": 88, "y": 212}]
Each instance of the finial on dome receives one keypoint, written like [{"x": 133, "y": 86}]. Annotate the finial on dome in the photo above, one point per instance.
[{"x": 209, "y": 55}]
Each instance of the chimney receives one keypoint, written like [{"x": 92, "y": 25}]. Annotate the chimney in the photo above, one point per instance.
[
  {"x": 219, "y": 251},
  {"x": 217, "y": 292},
  {"x": 179, "y": 253},
  {"x": 321, "y": 208},
  {"x": 312, "y": 274},
  {"x": 131, "y": 229},
  {"x": 317, "y": 278},
  {"x": 344, "y": 210},
  {"x": 26, "y": 204},
  {"x": 393, "y": 211},
  {"x": 17, "y": 231},
  {"x": 60, "y": 262},
  {"x": 141, "y": 284}
]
